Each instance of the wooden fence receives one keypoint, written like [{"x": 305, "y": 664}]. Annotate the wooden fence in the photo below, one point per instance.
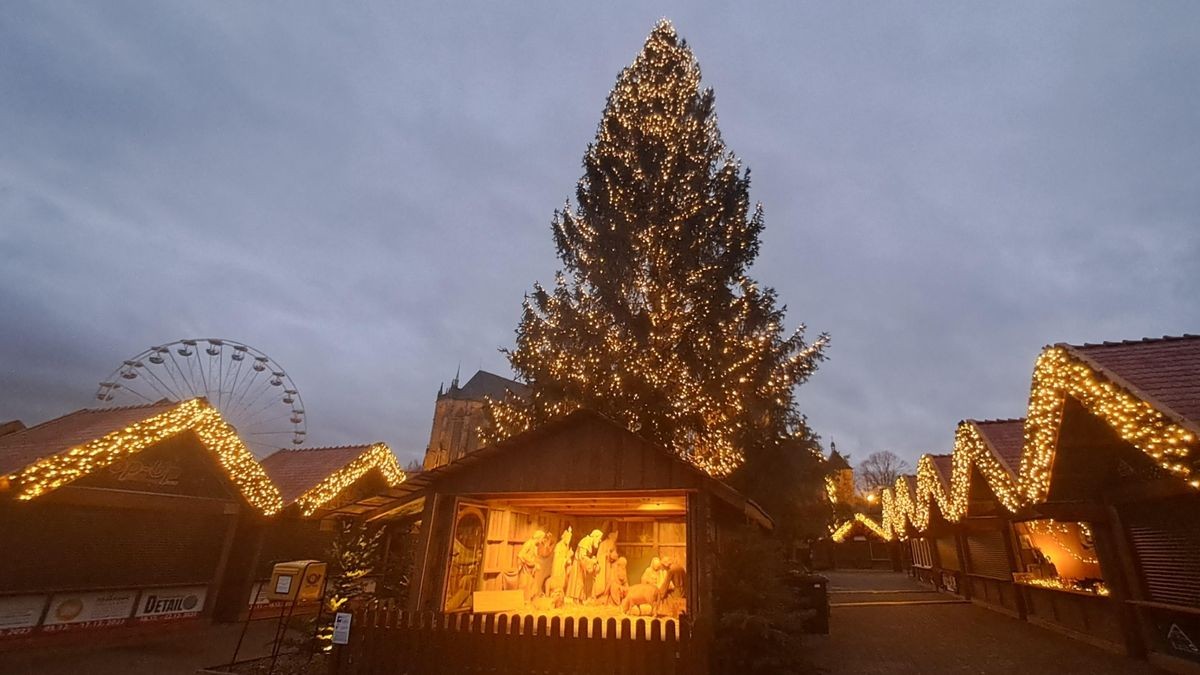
[{"x": 386, "y": 641}]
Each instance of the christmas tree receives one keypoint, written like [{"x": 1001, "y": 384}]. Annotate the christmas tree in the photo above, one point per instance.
[{"x": 653, "y": 319}]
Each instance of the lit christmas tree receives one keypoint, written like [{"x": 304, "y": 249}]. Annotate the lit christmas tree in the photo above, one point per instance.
[{"x": 653, "y": 320}]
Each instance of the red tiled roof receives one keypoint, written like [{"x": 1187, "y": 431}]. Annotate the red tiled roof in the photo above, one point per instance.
[
  {"x": 1007, "y": 439},
  {"x": 20, "y": 449},
  {"x": 945, "y": 466},
  {"x": 295, "y": 472},
  {"x": 1164, "y": 372}
]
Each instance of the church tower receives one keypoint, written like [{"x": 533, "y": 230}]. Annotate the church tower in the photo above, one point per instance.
[{"x": 460, "y": 412}]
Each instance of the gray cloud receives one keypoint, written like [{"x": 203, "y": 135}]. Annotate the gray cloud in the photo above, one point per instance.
[{"x": 365, "y": 192}]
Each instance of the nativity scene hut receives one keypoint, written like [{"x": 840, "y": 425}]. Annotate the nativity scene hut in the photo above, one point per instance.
[{"x": 578, "y": 517}]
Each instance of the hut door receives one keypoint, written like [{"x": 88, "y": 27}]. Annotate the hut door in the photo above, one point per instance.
[{"x": 466, "y": 555}]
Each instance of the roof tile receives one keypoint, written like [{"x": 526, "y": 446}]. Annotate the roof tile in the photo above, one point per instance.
[
  {"x": 22, "y": 448},
  {"x": 1007, "y": 438},
  {"x": 1166, "y": 369},
  {"x": 296, "y": 471}
]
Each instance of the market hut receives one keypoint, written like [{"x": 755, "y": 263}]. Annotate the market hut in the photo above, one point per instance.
[
  {"x": 122, "y": 517},
  {"x": 859, "y": 544},
  {"x": 1112, "y": 471},
  {"x": 578, "y": 517},
  {"x": 312, "y": 482},
  {"x": 985, "y": 531},
  {"x": 934, "y": 551}
]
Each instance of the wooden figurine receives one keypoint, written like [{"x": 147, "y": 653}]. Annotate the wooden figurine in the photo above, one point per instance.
[
  {"x": 579, "y": 585},
  {"x": 560, "y": 568},
  {"x": 606, "y": 557},
  {"x": 528, "y": 565}
]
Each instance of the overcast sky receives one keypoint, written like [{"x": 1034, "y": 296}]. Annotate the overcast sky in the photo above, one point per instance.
[{"x": 364, "y": 191}]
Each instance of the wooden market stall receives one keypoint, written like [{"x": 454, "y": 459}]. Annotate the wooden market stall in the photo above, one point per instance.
[
  {"x": 985, "y": 531},
  {"x": 311, "y": 482},
  {"x": 1092, "y": 502},
  {"x": 1121, "y": 500},
  {"x": 122, "y": 518},
  {"x": 857, "y": 545}
]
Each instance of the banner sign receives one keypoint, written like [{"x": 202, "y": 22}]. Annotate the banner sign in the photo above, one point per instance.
[
  {"x": 98, "y": 609},
  {"x": 167, "y": 604},
  {"x": 20, "y": 614}
]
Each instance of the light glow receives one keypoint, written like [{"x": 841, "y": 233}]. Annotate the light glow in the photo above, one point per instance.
[
  {"x": 378, "y": 456},
  {"x": 195, "y": 415},
  {"x": 1057, "y": 375}
]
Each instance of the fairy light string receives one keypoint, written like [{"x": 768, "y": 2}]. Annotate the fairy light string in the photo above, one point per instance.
[
  {"x": 1058, "y": 374},
  {"x": 379, "y": 456},
  {"x": 653, "y": 320},
  {"x": 195, "y": 415}
]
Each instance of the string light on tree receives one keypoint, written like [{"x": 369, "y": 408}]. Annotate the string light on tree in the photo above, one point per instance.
[{"x": 653, "y": 320}]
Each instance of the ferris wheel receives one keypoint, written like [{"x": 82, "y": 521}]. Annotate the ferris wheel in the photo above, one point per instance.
[{"x": 253, "y": 393}]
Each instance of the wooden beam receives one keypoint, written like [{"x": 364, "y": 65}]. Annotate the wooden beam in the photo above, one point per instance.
[{"x": 76, "y": 495}]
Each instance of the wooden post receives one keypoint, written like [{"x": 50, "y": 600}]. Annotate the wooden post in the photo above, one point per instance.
[
  {"x": 416, "y": 591},
  {"x": 964, "y": 585},
  {"x": 1014, "y": 564},
  {"x": 1118, "y": 566}
]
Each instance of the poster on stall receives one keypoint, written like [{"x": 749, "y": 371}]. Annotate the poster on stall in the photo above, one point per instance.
[
  {"x": 20, "y": 614},
  {"x": 96, "y": 609},
  {"x": 168, "y": 604}
]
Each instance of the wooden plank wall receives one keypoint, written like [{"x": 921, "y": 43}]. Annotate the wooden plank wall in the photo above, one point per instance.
[{"x": 386, "y": 640}]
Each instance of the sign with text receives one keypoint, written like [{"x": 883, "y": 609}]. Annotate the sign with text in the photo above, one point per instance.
[
  {"x": 341, "y": 628},
  {"x": 20, "y": 614},
  {"x": 167, "y": 604},
  {"x": 98, "y": 609},
  {"x": 258, "y": 595}
]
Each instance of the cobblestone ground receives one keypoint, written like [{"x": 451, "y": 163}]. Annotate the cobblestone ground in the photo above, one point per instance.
[{"x": 885, "y": 623}]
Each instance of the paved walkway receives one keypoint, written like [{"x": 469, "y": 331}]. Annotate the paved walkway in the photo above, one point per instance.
[
  {"x": 884, "y": 623},
  {"x": 179, "y": 653}
]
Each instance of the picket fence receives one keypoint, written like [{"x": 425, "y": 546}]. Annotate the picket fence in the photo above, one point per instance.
[{"x": 387, "y": 641}]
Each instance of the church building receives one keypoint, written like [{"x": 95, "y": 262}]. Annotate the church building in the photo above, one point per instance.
[{"x": 459, "y": 414}]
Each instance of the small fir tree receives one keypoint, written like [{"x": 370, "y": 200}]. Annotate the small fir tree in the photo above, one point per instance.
[
  {"x": 653, "y": 319},
  {"x": 354, "y": 554}
]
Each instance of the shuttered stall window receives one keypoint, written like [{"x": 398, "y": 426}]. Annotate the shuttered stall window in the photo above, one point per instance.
[
  {"x": 59, "y": 546},
  {"x": 987, "y": 556},
  {"x": 1166, "y": 542},
  {"x": 947, "y": 553}
]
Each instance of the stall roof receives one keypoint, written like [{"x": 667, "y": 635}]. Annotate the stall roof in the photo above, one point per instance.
[
  {"x": 45, "y": 457},
  {"x": 945, "y": 467},
  {"x": 296, "y": 471},
  {"x": 1164, "y": 372},
  {"x": 315, "y": 476},
  {"x": 396, "y": 498},
  {"x": 22, "y": 448},
  {"x": 1006, "y": 439}
]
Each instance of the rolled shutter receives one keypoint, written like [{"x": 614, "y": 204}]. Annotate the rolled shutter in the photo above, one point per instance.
[
  {"x": 1167, "y": 546},
  {"x": 987, "y": 556}
]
